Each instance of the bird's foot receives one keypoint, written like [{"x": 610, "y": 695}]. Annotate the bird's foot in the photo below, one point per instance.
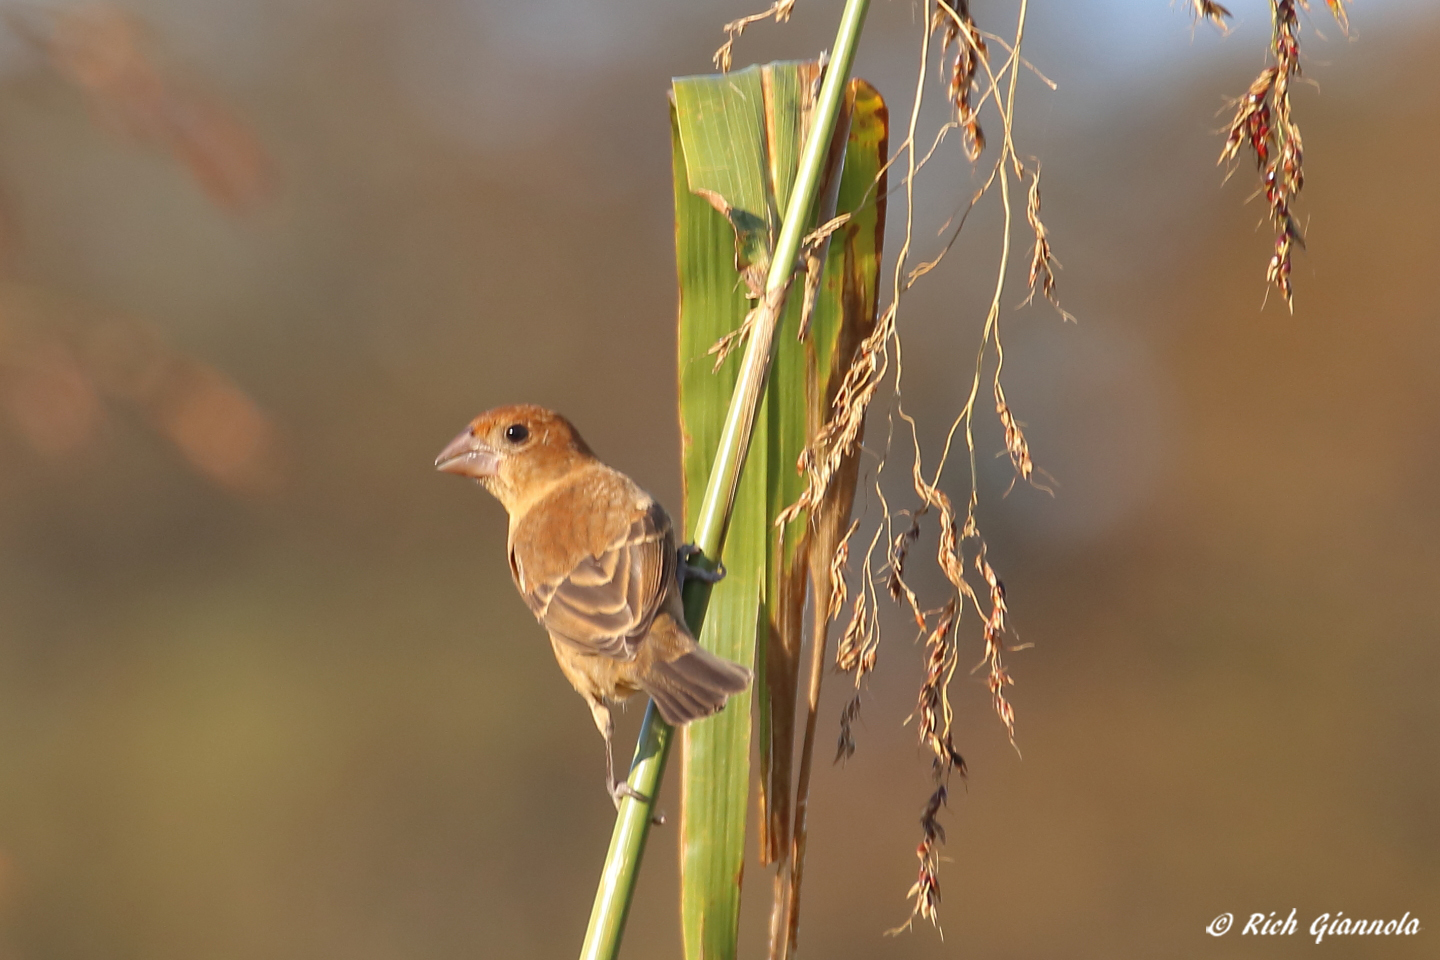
[
  {"x": 622, "y": 789},
  {"x": 686, "y": 570}
]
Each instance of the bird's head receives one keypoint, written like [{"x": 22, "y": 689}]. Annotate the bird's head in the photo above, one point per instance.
[{"x": 517, "y": 452}]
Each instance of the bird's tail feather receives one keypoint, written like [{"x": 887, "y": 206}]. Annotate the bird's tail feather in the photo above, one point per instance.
[{"x": 694, "y": 685}]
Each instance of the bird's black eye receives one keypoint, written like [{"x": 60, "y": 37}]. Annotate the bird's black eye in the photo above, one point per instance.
[{"x": 517, "y": 433}]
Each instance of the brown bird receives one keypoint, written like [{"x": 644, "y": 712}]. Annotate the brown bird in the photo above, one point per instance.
[{"x": 594, "y": 557}]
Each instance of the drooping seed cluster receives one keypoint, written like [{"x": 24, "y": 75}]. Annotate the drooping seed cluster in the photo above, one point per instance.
[
  {"x": 857, "y": 649},
  {"x": 1206, "y": 10},
  {"x": 952, "y": 18},
  {"x": 933, "y": 715},
  {"x": 934, "y": 718},
  {"x": 1016, "y": 446},
  {"x": 1263, "y": 124},
  {"x": 1042, "y": 266},
  {"x": 999, "y": 677},
  {"x": 723, "y": 57}
]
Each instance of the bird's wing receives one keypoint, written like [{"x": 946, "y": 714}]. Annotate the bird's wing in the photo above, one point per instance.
[{"x": 606, "y": 602}]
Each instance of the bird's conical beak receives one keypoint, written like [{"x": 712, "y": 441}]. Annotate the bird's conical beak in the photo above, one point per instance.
[{"x": 468, "y": 456}]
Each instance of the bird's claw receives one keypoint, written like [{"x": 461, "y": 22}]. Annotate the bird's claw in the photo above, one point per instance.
[
  {"x": 687, "y": 570},
  {"x": 622, "y": 789}
]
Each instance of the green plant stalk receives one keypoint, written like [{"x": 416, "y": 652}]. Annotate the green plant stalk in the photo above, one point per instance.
[
  {"x": 714, "y": 514},
  {"x": 632, "y": 823},
  {"x": 627, "y": 843}
]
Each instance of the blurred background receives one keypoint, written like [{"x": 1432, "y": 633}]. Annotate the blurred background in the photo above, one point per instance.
[{"x": 267, "y": 692}]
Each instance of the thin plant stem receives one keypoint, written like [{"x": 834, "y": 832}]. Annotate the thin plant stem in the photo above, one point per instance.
[
  {"x": 783, "y": 940},
  {"x": 714, "y": 515},
  {"x": 632, "y": 823}
]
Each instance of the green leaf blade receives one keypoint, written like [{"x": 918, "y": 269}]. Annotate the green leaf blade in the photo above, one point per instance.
[
  {"x": 755, "y": 614},
  {"x": 715, "y": 753}
]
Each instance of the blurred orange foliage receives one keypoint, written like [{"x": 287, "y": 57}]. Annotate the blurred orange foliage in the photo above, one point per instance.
[
  {"x": 54, "y": 371},
  {"x": 105, "y": 53}
]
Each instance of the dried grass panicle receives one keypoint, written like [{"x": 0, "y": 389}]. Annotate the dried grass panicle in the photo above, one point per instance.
[
  {"x": 722, "y": 348},
  {"x": 723, "y": 57},
  {"x": 934, "y": 725},
  {"x": 1042, "y": 260},
  {"x": 951, "y": 561},
  {"x": 1216, "y": 14},
  {"x": 952, "y": 17},
  {"x": 845, "y": 745},
  {"x": 813, "y": 250},
  {"x": 926, "y": 889},
  {"x": 971, "y": 81},
  {"x": 895, "y": 583},
  {"x": 839, "y": 437},
  {"x": 1337, "y": 10},
  {"x": 838, "y": 565},
  {"x": 856, "y": 651},
  {"x": 1263, "y": 123},
  {"x": 1016, "y": 446},
  {"x": 995, "y": 625},
  {"x": 933, "y": 714},
  {"x": 770, "y": 304}
]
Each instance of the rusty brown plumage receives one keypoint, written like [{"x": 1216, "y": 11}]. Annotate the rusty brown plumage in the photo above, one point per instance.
[{"x": 594, "y": 557}]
